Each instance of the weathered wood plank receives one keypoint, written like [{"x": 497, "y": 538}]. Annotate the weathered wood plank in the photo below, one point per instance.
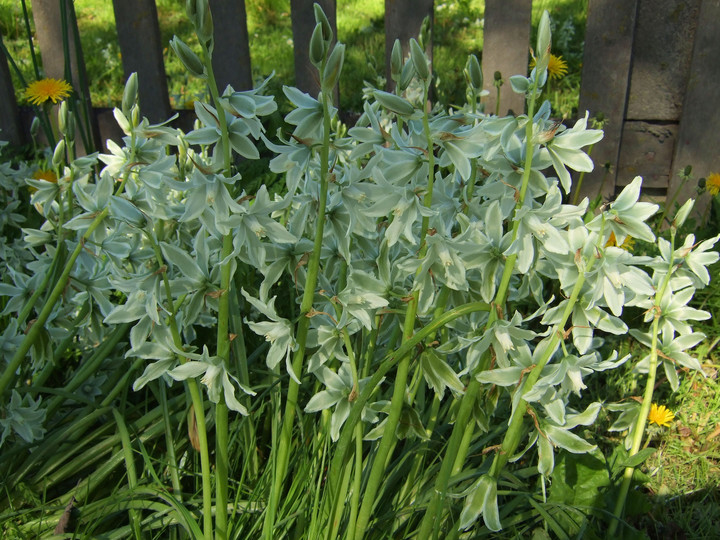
[
  {"x": 662, "y": 50},
  {"x": 403, "y": 21},
  {"x": 647, "y": 150},
  {"x": 303, "y": 24},
  {"x": 9, "y": 118},
  {"x": 609, "y": 36},
  {"x": 231, "y": 57},
  {"x": 506, "y": 49},
  {"x": 698, "y": 137},
  {"x": 134, "y": 18},
  {"x": 49, "y": 31}
]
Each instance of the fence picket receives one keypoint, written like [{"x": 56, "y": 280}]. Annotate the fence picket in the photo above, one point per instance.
[
  {"x": 403, "y": 20},
  {"x": 609, "y": 35},
  {"x": 506, "y": 49},
  {"x": 303, "y": 24},
  {"x": 231, "y": 56},
  {"x": 135, "y": 18},
  {"x": 9, "y": 118},
  {"x": 698, "y": 139}
]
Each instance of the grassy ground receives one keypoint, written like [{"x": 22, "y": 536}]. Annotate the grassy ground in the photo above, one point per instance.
[{"x": 458, "y": 32}]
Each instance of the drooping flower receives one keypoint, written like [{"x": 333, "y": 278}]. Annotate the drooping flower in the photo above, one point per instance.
[
  {"x": 557, "y": 67},
  {"x": 45, "y": 90},
  {"x": 712, "y": 183},
  {"x": 660, "y": 415}
]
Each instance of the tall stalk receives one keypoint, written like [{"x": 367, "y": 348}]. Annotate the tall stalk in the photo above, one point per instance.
[
  {"x": 281, "y": 449},
  {"x": 641, "y": 421},
  {"x": 398, "y": 397},
  {"x": 456, "y": 449}
]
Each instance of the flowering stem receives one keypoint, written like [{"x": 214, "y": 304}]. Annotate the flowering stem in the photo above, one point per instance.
[
  {"x": 399, "y": 389},
  {"x": 223, "y": 335},
  {"x": 283, "y": 445},
  {"x": 459, "y": 441},
  {"x": 641, "y": 421},
  {"x": 195, "y": 396}
]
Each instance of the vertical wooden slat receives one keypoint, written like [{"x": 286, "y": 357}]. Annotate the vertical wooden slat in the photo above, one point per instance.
[
  {"x": 607, "y": 59},
  {"x": 698, "y": 141},
  {"x": 303, "y": 24},
  {"x": 133, "y": 19},
  {"x": 506, "y": 49},
  {"x": 49, "y": 32},
  {"x": 231, "y": 56},
  {"x": 9, "y": 119},
  {"x": 403, "y": 21}
]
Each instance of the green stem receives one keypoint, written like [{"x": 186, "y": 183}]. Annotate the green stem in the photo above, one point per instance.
[
  {"x": 391, "y": 359},
  {"x": 283, "y": 447},
  {"x": 641, "y": 421},
  {"x": 387, "y": 441},
  {"x": 223, "y": 334},
  {"x": 195, "y": 396},
  {"x": 453, "y": 458}
]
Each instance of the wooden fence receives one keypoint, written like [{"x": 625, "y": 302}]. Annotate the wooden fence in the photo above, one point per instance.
[{"x": 652, "y": 67}]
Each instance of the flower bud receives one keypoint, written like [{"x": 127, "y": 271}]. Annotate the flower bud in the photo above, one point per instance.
[
  {"x": 543, "y": 43},
  {"x": 135, "y": 115},
  {"x": 130, "y": 93},
  {"x": 204, "y": 27},
  {"x": 321, "y": 18},
  {"x": 63, "y": 117},
  {"x": 408, "y": 72},
  {"x": 333, "y": 67},
  {"x": 58, "y": 158},
  {"x": 394, "y": 103},
  {"x": 190, "y": 60},
  {"x": 317, "y": 46},
  {"x": 419, "y": 60},
  {"x": 396, "y": 61},
  {"x": 473, "y": 72}
]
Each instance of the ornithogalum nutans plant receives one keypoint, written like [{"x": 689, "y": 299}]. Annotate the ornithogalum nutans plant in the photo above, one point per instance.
[{"x": 392, "y": 341}]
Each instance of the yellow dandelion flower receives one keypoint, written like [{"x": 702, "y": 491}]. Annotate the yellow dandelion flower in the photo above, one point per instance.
[
  {"x": 557, "y": 67},
  {"x": 48, "y": 176},
  {"x": 660, "y": 415},
  {"x": 712, "y": 183},
  {"x": 44, "y": 90},
  {"x": 628, "y": 244}
]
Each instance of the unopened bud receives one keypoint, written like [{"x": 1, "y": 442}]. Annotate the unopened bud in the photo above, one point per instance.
[
  {"x": 419, "y": 60},
  {"x": 333, "y": 68},
  {"x": 189, "y": 59},
  {"x": 396, "y": 61},
  {"x": 58, "y": 158},
  {"x": 63, "y": 117},
  {"x": 130, "y": 93},
  {"x": 321, "y": 18},
  {"x": 474, "y": 72},
  {"x": 317, "y": 46}
]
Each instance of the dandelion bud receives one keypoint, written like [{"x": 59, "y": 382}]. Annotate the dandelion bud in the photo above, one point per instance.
[{"x": 687, "y": 171}]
